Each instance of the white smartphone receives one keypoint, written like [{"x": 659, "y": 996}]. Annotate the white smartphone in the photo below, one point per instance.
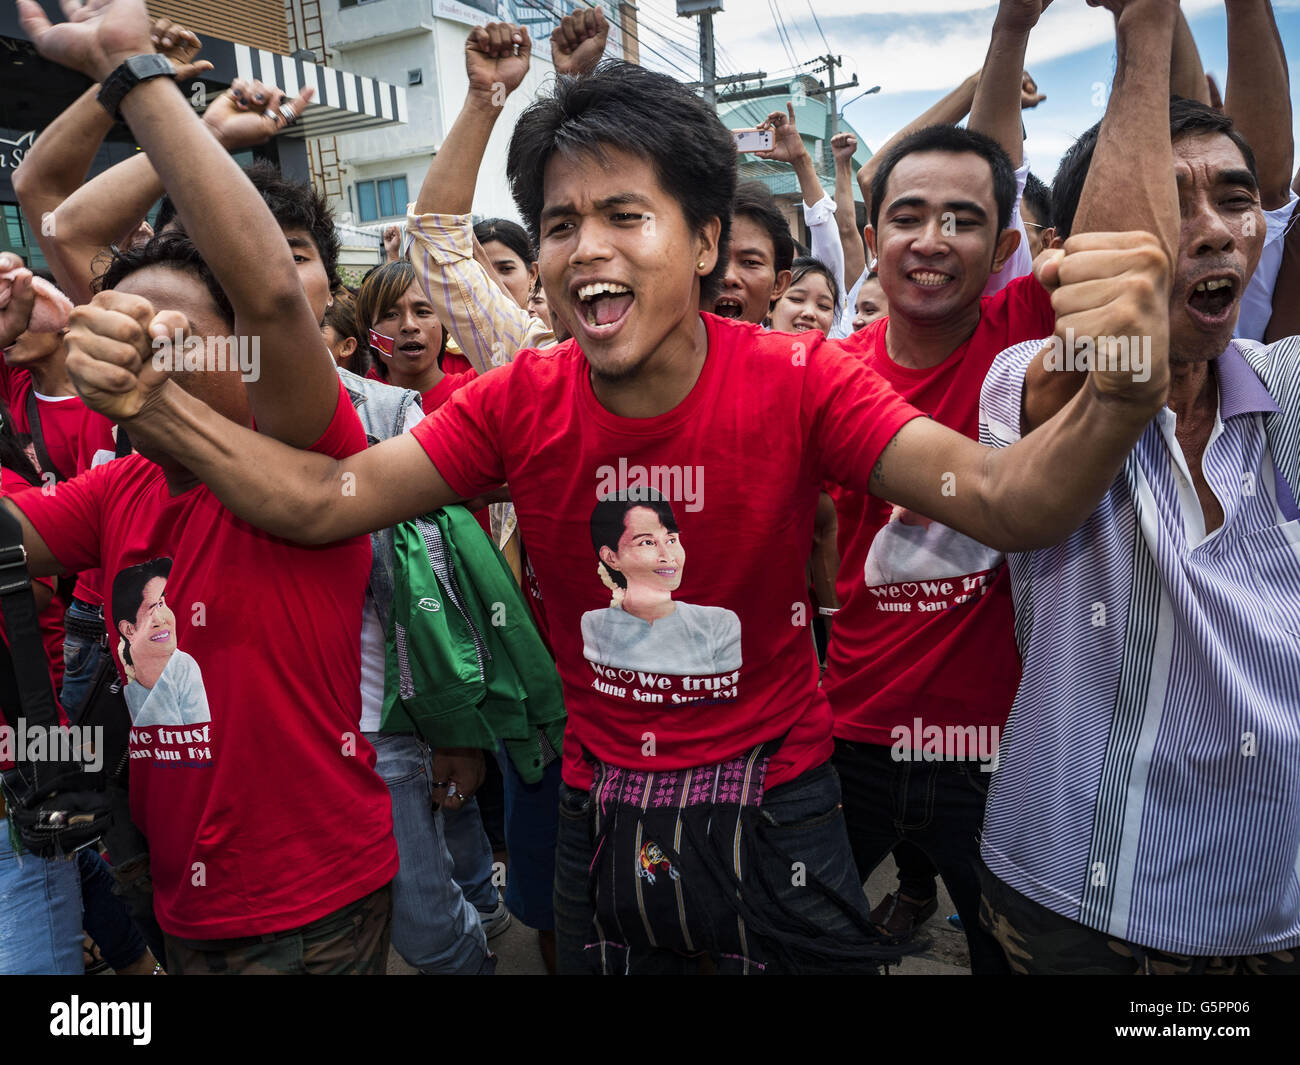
[{"x": 753, "y": 139}]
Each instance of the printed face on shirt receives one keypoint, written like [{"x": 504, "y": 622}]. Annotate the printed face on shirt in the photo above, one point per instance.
[
  {"x": 807, "y": 304},
  {"x": 416, "y": 333},
  {"x": 936, "y": 236},
  {"x": 618, "y": 260},
  {"x": 1221, "y": 238},
  {"x": 152, "y": 636},
  {"x": 871, "y": 304},
  {"x": 751, "y": 282},
  {"x": 649, "y": 556}
]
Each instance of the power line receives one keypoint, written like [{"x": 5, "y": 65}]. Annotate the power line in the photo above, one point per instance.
[
  {"x": 546, "y": 8},
  {"x": 818, "y": 21},
  {"x": 780, "y": 32}
]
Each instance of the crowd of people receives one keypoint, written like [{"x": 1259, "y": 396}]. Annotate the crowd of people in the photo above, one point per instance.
[{"x": 990, "y": 509}]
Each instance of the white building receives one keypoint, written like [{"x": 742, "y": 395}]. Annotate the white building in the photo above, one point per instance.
[{"x": 420, "y": 44}]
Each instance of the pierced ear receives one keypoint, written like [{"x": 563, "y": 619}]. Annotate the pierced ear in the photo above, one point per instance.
[{"x": 706, "y": 245}]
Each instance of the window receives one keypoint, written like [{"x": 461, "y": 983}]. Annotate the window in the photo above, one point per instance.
[
  {"x": 384, "y": 198},
  {"x": 415, "y": 77}
]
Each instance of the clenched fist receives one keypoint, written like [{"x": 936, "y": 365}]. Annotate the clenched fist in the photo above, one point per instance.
[{"x": 118, "y": 348}]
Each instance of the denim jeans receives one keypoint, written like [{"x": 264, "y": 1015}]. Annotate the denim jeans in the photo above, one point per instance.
[
  {"x": 106, "y": 919},
  {"x": 471, "y": 855},
  {"x": 80, "y": 655},
  {"x": 801, "y": 818},
  {"x": 40, "y": 913},
  {"x": 532, "y": 813},
  {"x": 435, "y": 928},
  {"x": 939, "y": 806}
]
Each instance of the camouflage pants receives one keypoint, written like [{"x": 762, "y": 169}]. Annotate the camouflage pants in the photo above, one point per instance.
[
  {"x": 348, "y": 942},
  {"x": 1040, "y": 942}
]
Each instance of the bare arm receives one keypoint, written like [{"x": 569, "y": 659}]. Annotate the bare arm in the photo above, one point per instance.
[
  {"x": 1130, "y": 183},
  {"x": 1186, "y": 75},
  {"x": 496, "y": 60},
  {"x": 843, "y": 145},
  {"x": 825, "y": 561},
  {"x": 1258, "y": 95},
  {"x": 995, "y": 110}
]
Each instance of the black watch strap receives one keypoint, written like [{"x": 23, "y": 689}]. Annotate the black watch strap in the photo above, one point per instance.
[{"x": 128, "y": 75}]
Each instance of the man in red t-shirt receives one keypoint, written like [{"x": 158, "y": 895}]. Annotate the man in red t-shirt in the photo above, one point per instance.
[
  {"x": 716, "y": 436},
  {"x": 270, "y": 835}
]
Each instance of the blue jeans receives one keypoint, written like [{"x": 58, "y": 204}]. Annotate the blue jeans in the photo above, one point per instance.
[
  {"x": 939, "y": 806},
  {"x": 471, "y": 855},
  {"x": 435, "y": 928},
  {"x": 532, "y": 816},
  {"x": 40, "y": 913},
  {"x": 106, "y": 919},
  {"x": 801, "y": 818},
  {"x": 80, "y": 655}
]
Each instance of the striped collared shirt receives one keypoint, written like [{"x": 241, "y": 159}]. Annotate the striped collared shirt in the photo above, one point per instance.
[{"x": 1149, "y": 778}]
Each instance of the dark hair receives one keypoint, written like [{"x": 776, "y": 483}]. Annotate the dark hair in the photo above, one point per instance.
[
  {"x": 1187, "y": 118},
  {"x": 380, "y": 291},
  {"x": 128, "y": 593},
  {"x": 625, "y": 106},
  {"x": 953, "y": 139},
  {"x": 341, "y": 316},
  {"x": 755, "y": 201},
  {"x": 609, "y": 520},
  {"x": 173, "y": 250},
  {"x": 293, "y": 204},
  {"x": 1039, "y": 198},
  {"x": 12, "y": 454},
  {"x": 506, "y": 232},
  {"x": 805, "y": 265}
]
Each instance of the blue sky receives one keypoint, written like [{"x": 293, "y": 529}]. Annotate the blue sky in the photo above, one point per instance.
[{"x": 917, "y": 50}]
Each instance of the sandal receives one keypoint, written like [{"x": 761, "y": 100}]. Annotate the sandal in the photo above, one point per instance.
[{"x": 899, "y": 916}]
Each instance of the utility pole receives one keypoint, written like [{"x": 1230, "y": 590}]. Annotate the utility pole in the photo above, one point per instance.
[
  {"x": 704, "y": 10},
  {"x": 830, "y": 63}
]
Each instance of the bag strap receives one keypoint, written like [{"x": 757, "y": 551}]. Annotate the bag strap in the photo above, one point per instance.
[
  {"x": 38, "y": 437},
  {"x": 26, "y": 658}
]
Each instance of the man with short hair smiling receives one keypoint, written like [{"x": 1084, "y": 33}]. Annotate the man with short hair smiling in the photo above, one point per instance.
[
  {"x": 651, "y": 387},
  {"x": 1143, "y": 818}
]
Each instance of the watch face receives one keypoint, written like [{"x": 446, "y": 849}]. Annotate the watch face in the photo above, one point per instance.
[{"x": 147, "y": 66}]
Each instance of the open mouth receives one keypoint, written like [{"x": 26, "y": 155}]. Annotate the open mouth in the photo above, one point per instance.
[
  {"x": 929, "y": 278},
  {"x": 161, "y": 637},
  {"x": 603, "y": 305},
  {"x": 728, "y": 307},
  {"x": 411, "y": 347},
  {"x": 1211, "y": 300}
]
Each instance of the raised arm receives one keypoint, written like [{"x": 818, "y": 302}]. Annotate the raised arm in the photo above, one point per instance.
[
  {"x": 295, "y": 396},
  {"x": 843, "y": 145},
  {"x": 1040, "y": 490},
  {"x": 1130, "y": 182},
  {"x": 995, "y": 111},
  {"x": 1186, "y": 75},
  {"x": 1258, "y": 95},
  {"x": 578, "y": 42}
]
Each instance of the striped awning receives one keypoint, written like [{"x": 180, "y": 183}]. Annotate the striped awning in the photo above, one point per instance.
[{"x": 344, "y": 103}]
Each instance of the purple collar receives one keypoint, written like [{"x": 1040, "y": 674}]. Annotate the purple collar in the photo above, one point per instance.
[{"x": 1240, "y": 389}]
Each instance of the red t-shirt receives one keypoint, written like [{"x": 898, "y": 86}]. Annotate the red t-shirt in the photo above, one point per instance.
[
  {"x": 925, "y": 627},
  {"x": 249, "y": 774},
  {"x": 740, "y": 460},
  {"x": 441, "y": 392},
  {"x": 455, "y": 362},
  {"x": 76, "y": 437}
]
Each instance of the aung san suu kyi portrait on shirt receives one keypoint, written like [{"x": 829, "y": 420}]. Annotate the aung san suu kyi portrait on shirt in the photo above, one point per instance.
[
  {"x": 164, "y": 684},
  {"x": 641, "y": 561}
]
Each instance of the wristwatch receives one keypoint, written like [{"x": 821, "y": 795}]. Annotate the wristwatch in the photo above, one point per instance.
[{"x": 128, "y": 75}]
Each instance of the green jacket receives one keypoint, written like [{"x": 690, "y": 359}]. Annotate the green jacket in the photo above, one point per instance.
[{"x": 464, "y": 665}]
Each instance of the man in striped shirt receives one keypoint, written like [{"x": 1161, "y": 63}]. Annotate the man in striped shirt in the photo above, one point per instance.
[{"x": 1146, "y": 813}]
